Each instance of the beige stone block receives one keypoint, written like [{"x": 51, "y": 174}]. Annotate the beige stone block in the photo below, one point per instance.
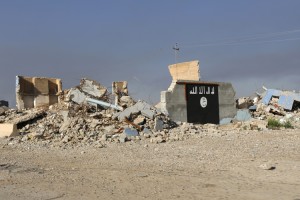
[
  {"x": 185, "y": 71},
  {"x": 8, "y": 130}
]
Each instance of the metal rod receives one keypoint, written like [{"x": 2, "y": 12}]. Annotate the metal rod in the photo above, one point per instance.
[{"x": 102, "y": 103}]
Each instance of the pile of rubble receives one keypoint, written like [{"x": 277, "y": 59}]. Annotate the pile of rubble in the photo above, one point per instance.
[
  {"x": 86, "y": 115},
  {"x": 89, "y": 115},
  {"x": 271, "y": 104}
]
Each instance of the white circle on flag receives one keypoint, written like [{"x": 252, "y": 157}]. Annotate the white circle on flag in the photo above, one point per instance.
[{"x": 203, "y": 102}]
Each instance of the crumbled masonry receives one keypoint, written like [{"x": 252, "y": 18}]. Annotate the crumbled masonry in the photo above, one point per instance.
[{"x": 88, "y": 114}]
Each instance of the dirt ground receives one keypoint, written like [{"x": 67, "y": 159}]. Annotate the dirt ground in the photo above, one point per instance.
[{"x": 221, "y": 165}]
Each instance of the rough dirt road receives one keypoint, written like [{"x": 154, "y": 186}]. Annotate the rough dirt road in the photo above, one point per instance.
[{"x": 205, "y": 166}]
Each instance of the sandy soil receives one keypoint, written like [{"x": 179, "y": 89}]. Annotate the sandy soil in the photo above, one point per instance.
[{"x": 223, "y": 165}]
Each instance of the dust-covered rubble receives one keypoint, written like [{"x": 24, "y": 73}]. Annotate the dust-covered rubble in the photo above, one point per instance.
[{"x": 75, "y": 122}]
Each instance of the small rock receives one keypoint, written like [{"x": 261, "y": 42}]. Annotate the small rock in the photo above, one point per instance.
[
  {"x": 103, "y": 137},
  {"x": 267, "y": 166},
  {"x": 66, "y": 139},
  {"x": 122, "y": 138},
  {"x": 140, "y": 120}
]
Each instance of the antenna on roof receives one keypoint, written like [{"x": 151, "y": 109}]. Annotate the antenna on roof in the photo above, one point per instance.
[{"x": 176, "y": 50}]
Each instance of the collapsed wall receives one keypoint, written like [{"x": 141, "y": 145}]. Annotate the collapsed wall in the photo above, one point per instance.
[{"x": 34, "y": 92}]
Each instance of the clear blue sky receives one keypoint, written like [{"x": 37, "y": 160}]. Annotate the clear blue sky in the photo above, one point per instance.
[{"x": 248, "y": 43}]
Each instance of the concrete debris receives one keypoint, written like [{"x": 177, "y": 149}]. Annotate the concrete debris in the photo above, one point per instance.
[
  {"x": 126, "y": 101},
  {"x": 76, "y": 96},
  {"x": 87, "y": 89},
  {"x": 28, "y": 117},
  {"x": 74, "y": 121},
  {"x": 288, "y": 100},
  {"x": 92, "y": 88},
  {"x": 282, "y": 106},
  {"x": 88, "y": 115},
  {"x": 130, "y": 132},
  {"x": 139, "y": 107},
  {"x": 244, "y": 103},
  {"x": 8, "y": 130}
]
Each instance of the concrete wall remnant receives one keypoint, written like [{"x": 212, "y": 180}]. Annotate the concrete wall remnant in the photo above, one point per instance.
[
  {"x": 174, "y": 102},
  {"x": 34, "y": 92},
  {"x": 185, "y": 71},
  {"x": 119, "y": 89},
  {"x": 92, "y": 88}
]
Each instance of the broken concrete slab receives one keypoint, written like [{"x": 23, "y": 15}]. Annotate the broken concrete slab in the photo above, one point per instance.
[
  {"x": 140, "y": 106},
  {"x": 148, "y": 113},
  {"x": 286, "y": 99},
  {"x": 8, "y": 130},
  {"x": 92, "y": 88},
  {"x": 185, "y": 71},
  {"x": 28, "y": 117},
  {"x": 76, "y": 96}
]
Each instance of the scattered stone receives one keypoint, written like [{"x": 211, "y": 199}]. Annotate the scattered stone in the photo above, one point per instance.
[
  {"x": 140, "y": 120},
  {"x": 267, "y": 166},
  {"x": 122, "y": 138},
  {"x": 76, "y": 96},
  {"x": 66, "y": 139},
  {"x": 130, "y": 132}
]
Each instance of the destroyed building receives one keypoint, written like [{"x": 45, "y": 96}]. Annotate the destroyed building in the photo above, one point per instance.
[{"x": 188, "y": 99}]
